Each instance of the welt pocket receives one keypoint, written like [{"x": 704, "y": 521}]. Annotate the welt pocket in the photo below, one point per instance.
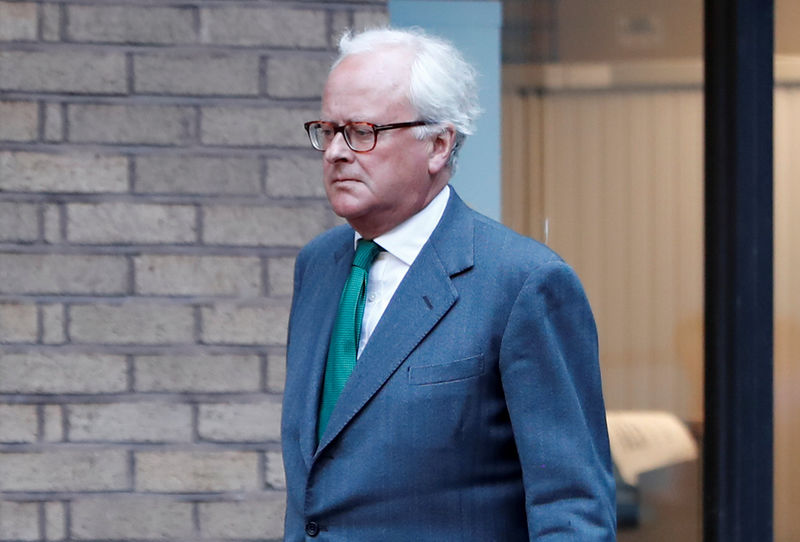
[{"x": 446, "y": 372}]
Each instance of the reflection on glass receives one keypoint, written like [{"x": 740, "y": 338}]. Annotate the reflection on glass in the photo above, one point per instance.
[{"x": 603, "y": 160}]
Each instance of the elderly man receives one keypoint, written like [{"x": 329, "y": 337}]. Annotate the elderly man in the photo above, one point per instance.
[{"x": 442, "y": 375}]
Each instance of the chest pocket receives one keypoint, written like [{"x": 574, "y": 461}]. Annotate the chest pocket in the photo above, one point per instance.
[{"x": 451, "y": 371}]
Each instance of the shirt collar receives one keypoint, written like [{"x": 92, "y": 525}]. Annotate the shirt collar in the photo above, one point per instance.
[{"x": 405, "y": 241}]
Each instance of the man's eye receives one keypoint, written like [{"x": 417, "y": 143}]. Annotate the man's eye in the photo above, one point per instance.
[{"x": 361, "y": 132}]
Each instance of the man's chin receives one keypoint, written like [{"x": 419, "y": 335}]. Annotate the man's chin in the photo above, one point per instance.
[{"x": 349, "y": 210}]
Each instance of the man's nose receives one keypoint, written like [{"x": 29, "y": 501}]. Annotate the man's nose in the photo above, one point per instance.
[{"x": 338, "y": 149}]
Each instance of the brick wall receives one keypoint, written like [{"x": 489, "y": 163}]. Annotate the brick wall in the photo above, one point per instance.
[{"x": 155, "y": 186}]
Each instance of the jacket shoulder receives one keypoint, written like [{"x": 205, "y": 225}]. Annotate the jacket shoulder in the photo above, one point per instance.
[
  {"x": 513, "y": 247},
  {"x": 325, "y": 242}
]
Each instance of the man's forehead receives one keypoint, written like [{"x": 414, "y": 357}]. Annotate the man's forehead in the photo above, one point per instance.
[
  {"x": 372, "y": 107},
  {"x": 363, "y": 86}
]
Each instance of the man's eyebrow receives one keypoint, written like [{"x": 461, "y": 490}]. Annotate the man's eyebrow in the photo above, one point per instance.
[{"x": 347, "y": 120}]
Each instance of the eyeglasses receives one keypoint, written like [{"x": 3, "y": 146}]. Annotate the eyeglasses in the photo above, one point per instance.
[{"x": 359, "y": 136}]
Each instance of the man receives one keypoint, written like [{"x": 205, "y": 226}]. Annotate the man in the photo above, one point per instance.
[{"x": 474, "y": 409}]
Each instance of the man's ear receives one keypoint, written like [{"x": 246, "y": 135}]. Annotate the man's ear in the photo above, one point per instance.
[{"x": 442, "y": 146}]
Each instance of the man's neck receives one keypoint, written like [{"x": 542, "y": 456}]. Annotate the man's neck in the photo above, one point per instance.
[{"x": 369, "y": 230}]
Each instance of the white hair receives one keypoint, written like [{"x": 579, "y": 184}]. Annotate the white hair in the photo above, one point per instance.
[{"x": 442, "y": 86}]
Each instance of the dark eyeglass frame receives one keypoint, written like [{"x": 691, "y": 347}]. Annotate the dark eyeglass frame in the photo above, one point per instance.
[{"x": 342, "y": 128}]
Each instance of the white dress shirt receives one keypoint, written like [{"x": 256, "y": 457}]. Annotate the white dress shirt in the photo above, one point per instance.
[{"x": 401, "y": 245}]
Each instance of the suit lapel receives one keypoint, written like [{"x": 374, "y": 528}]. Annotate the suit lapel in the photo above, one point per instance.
[{"x": 424, "y": 296}]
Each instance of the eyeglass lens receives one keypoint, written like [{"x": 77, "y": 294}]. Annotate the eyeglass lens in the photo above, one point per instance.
[{"x": 359, "y": 136}]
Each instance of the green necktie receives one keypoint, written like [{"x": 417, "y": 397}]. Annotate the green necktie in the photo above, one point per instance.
[{"x": 343, "y": 347}]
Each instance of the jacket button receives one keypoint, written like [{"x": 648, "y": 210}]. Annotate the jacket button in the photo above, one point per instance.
[{"x": 312, "y": 528}]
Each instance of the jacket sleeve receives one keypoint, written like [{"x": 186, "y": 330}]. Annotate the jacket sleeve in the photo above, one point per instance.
[{"x": 551, "y": 379}]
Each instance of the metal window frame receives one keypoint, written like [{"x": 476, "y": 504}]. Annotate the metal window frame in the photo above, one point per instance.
[{"x": 738, "y": 442}]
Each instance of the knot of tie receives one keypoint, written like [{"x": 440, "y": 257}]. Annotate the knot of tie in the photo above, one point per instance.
[{"x": 366, "y": 251}]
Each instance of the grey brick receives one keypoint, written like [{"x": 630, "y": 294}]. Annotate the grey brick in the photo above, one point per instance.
[
  {"x": 130, "y": 422},
  {"x": 52, "y": 224},
  {"x": 196, "y": 471},
  {"x": 198, "y": 175},
  {"x": 197, "y": 275},
  {"x": 131, "y": 323},
  {"x": 263, "y": 226},
  {"x": 64, "y": 470},
  {"x": 231, "y": 324},
  {"x": 240, "y": 422},
  {"x": 129, "y": 124},
  {"x": 79, "y": 172},
  {"x": 55, "y": 71},
  {"x": 275, "y": 476},
  {"x": 255, "y": 126},
  {"x": 198, "y": 373},
  {"x": 18, "y": 423},
  {"x": 197, "y": 74},
  {"x": 53, "y": 324},
  {"x": 341, "y": 21},
  {"x": 281, "y": 275},
  {"x": 62, "y": 372},
  {"x": 53, "y": 122},
  {"x": 55, "y": 521},
  {"x": 19, "y": 520},
  {"x": 295, "y": 176},
  {"x": 276, "y": 373},
  {"x": 258, "y": 26},
  {"x": 296, "y": 76},
  {"x": 365, "y": 19},
  {"x": 62, "y": 274},
  {"x": 131, "y": 24},
  {"x": 51, "y": 22},
  {"x": 20, "y": 120},
  {"x": 18, "y": 323},
  {"x": 19, "y": 221},
  {"x": 131, "y": 517},
  {"x": 255, "y": 519},
  {"x": 17, "y": 21},
  {"x": 119, "y": 222},
  {"x": 53, "y": 423}
]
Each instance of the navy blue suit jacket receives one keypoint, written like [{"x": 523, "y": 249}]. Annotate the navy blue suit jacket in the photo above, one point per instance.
[{"x": 474, "y": 413}]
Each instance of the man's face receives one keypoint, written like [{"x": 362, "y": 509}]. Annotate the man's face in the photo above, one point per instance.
[{"x": 376, "y": 190}]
